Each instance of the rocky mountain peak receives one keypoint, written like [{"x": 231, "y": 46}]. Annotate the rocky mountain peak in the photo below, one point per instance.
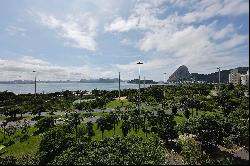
[{"x": 180, "y": 74}]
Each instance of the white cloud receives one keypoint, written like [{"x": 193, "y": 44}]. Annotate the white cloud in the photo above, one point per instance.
[
  {"x": 197, "y": 45},
  {"x": 121, "y": 25},
  {"x": 158, "y": 66},
  {"x": 224, "y": 32},
  {"x": 127, "y": 41},
  {"x": 13, "y": 30},
  {"x": 80, "y": 30},
  {"x": 33, "y": 61},
  {"x": 235, "y": 7},
  {"x": 205, "y": 9},
  {"x": 13, "y": 69}
]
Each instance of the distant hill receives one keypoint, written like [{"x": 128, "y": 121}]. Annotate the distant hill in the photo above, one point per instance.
[
  {"x": 214, "y": 77},
  {"x": 182, "y": 74}
]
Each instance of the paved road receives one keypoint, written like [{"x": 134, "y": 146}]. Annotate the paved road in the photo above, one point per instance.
[
  {"x": 21, "y": 122},
  {"x": 89, "y": 119}
]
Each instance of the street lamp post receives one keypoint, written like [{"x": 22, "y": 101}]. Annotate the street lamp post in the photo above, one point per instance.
[
  {"x": 164, "y": 93},
  {"x": 219, "y": 78},
  {"x": 144, "y": 83},
  {"x": 20, "y": 84},
  {"x": 35, "y": 81},
  {"x": 164, "y": 83},
  {"x": 119, "y": 86},
  {"x": 139, "y": 97}
]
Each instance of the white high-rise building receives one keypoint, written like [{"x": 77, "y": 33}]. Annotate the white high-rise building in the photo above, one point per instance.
[
  {"x": 234, "y": 77},
  {"x": 245, "y": 79}
]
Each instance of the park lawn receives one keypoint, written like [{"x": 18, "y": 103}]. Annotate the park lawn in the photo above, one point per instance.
[
  {"x": 118, "y": 132},
  {"x": 56, "y": 116},
  {"x": 2, "y": 118},
  {"x": 117, "y": 103},
  {"x": 27, "y": 117},
  {"x": 30, "y": 146},
  {"x": 179, "y": 118},
  {"x": 18, "y": 149}
]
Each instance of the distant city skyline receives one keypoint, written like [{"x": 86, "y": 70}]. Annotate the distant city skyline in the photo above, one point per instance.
[{"x": 73, "y": 40}]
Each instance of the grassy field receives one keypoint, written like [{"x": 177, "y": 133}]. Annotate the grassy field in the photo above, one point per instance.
[
  {"x": 19, "y": 148},
  {"x": 117, "y": 103},
  {"x": 31, "y": 145},
  {"x": 118, "y": 132},
  {"x": 2, "y": 118}
]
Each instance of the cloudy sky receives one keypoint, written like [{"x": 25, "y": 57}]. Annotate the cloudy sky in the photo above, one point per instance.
[{"x": 75, "y": 39}]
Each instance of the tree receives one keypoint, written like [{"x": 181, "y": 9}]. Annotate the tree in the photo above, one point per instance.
[
  {"x": 208, "y": 129},
  {"x": 113, "y": 151},
  {"x": 11, "y": 131},
  {"x": 9, "y": 160},
  {"x": 90, "y": 130},
  {"x": 146, "y": 122},
  {"x": 166, "y": 129},
  {"x": 38, "y": 109},
  {"x": 113, "y": 120},
  {"x": 53, "y": 143},
  {"x": 136, "y": 122},
  {"x": 192, "y": 152},
  {"x": 187, "y": 113},
  {"x": 174, "y": 110},
  {"x": 3, "y": 126},
  {"x": 125, "y": 127},
  {"x": 101, "y": 124},
  {"x": 75, "y": 121},
  {"x": 44, "y": 124},
  {"x": 25, "y": 130}
]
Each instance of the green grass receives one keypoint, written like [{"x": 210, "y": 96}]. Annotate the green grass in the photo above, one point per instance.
[
  {"x": 27, "y": 117},
  {"x": 1, "y": 147},
  {"x": 118, "y": 132},
  {"x": 2, "y": 118},
  {"x": 117, "y": 103},
  {"x": 31, "y": 145},
  {"x": 179, "y": 118},
  {"x": 18, "y": 149},
  {"x": 56, "y": 116}
]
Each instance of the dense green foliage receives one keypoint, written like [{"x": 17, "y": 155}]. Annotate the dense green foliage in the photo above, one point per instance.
[{"x": 126, "y": 134}]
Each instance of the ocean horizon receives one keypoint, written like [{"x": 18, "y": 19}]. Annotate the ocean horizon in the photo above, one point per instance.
[{"x": 58, "y": 87}]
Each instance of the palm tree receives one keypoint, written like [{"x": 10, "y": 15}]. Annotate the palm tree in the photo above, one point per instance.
[
  {"x": 146, "y": 115},
  {"x": 3, "y": 125},
  {"x": 174, "y": 109},
  {"x": 186, "y": 112},
  {"x": 90, "y": 130},
  {"x": 76, "y": 120},
  {"x": 125, "y": 127},
  {"x": 101, "y": 124},
  {"x": 114, "y": 120}
]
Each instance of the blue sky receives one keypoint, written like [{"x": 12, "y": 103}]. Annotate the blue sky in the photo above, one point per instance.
[{"x": 76, "y": 39}]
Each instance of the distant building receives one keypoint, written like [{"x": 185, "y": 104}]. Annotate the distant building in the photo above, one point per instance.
[
  {"x": 234, "y": 77},
  {"x": 136, "y": 81},
  {"x": 245, "y": 79}
]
